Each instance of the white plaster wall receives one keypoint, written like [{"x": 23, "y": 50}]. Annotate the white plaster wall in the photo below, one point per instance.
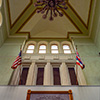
[{"x": 20, "y": 92}]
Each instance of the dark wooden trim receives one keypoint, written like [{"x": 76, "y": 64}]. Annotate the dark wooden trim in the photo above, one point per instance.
[
  {"x": 46, "y": 37},
  {"x": 71, "y": 95},
  {"x": 91, "y": 2},
  {"x": 11, "y": 25},
  {"x": 24, "y": 33},
  {"x": 26, "y": 22},
  {"x": 73, "y": 33},
  {"x": 71, "y": 21},
  {"x": 29, "y": 92},
  {"x": 77, "y": 15},
  {"x": 9, "y": 14},
  {"x": 86, "y": 25},
  {"x": 80, "y": 32}
]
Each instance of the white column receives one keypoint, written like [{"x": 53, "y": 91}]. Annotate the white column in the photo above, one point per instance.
[
  {"x": 80, "y": 76},
  {"x": 35, "y": 75},
  {"x": 30, "y": 74},
  {"x": 61, "y": 48},
  {"x": 48, "y": 48},
  {"x": 36, "y": 48},
  {"x": 64, "y": 74},
  {"x": 47, "y": 75},
  {"x": 16, "y": 76}
]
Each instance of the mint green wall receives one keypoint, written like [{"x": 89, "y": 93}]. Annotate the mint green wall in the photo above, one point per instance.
[
  {"x": 95, "y": 35},
  {"x": 89, "y": 50},
  {"x": 8, "y": 53},
  {"x": 89, "y": 54},
  {"x": 86, "y": 48},
  {"x": 3, "y": 28}
]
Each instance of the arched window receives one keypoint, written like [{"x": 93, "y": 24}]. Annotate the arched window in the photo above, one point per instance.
[
  {"x": 30, "y": 48},
  {"x": 66, "y": 49},
  {"x": 42, "y": 48},
  {"x": 54, "y": 49}
]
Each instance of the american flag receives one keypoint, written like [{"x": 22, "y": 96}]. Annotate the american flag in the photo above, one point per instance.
[
  {"x": 78, "y": 61},
  {"x": 17, "y": 62}
]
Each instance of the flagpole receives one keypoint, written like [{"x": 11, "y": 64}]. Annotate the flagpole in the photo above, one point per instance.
[
  {"x": 20, "y": 66},
  {"x": 75, "y": 48},
  {"x": 76, "y": 74},
  {"x": 76, "y": 71}
]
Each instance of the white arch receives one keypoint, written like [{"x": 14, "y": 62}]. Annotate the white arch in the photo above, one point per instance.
[
  {"x": 68, "y": 43},
  {"x": 0, "y": 3},
  {"x": 57, "y": 43},
  {"x": 0, "y": 19},
  {"x": 28, "y": 43},
  {"x": 42, "y": 42}
]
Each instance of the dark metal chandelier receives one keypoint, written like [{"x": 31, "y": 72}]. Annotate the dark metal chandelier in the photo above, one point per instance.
[{"x": 51, "y": 5}]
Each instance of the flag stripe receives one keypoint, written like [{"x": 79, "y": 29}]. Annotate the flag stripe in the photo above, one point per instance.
[
  {"x": 17, "y": 61},
  {"x": 78, "y": 61}
]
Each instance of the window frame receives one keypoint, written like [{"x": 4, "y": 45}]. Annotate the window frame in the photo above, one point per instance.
[
  {"x": 42, "y": 49},
  {"x": 20, "y": 78},
  {"x": 66, "y": 49},
  {"x": 30, "y": 49},
  {"x": 16, "y": 76},
  {"x": 54, "y": 49}
]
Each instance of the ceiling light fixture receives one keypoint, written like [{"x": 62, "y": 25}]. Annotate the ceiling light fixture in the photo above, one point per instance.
[{"x": 51, "y": 5}]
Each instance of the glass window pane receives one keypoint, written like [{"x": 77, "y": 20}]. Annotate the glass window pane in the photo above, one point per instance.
[
  {"x": 67, "y": 51},
  {"x": 66, "y": 47},
  {"x": 73, "y": 76},
  {"x": 29, "y": 51},
  {"x": 56, "y": 76},
  {"x": 40, "y": 76},
  {"x": 54, "y": 51},
  {"x": 31, "y": 47},
  {"x": 23, "y": 76},
  {"x": 42, "y": 47},
  {"x": 42, "y": 51},
  {"x": 54, "y": 47}
]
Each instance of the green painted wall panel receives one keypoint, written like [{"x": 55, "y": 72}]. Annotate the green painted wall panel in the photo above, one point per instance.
[
  {"x": 91, "y": 59},
  {"x": 8, "y": 53},
  {"x": 3, "y": 28},
  {"x": 95, "y": 35}
]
